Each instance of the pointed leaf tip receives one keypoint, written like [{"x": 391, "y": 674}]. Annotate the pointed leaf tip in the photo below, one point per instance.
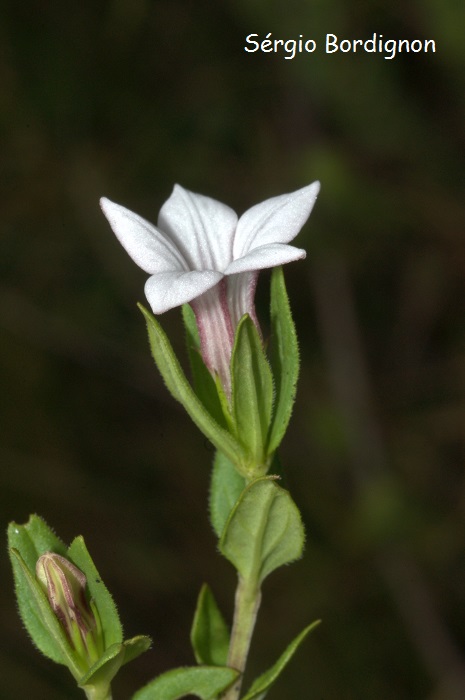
[
  {"x": 210, "y": 633},
  {"x": 263, "y": 683}
]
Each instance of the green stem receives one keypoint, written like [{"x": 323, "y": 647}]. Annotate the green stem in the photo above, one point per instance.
[
  {"x": 247, "y": 603},
  {"x": 98, "y": 692}
]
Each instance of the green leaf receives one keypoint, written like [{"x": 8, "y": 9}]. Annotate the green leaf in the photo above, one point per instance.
[
  {"x": 106, "y": 668},
  {"x": 225, "y": 488},
  {"x": 182, "y": 391},
  {"x": 111, "y": 625},
  {"x": 210, "y": 633},
  {"x": 262, "y": 684},
  {"x": 284, "y": 358},
  {"x": 135, "y": 647},
  {"x": 206, "y": 682},
  {"x": 252, "y": 394},
  {"x": 38, "y": 617},
  {"x": 204, "y": 384},
  {"x": 264, "y": 531}
]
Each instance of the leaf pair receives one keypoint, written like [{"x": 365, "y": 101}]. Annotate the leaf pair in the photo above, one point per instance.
[
  {"x": 262, "y": 508},
  {"x": 248, "y": 428},
  {"x": 260, "y": 529},
  {"x": 263, "y": 392},
  {"x": 210, "y": 640}
]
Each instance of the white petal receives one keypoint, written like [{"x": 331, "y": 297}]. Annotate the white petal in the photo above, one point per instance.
[
  {"x": 265, "y": 256},
  {"x": 200, "y": 227},
  {"x": 150, "y": 248},
  {"x": 277, "y": 220},
  {"x": 166, "y": 290}
]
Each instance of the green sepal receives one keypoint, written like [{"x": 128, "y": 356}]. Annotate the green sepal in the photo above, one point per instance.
[
  {"x": 105, "y": 669},
  {"x": 251, "y": 395},
  {"x": 263, "y": 683},
  {"x": 205, "y": 682},
  {"x": 40, "y": 621},
  {"x": 99, "y": 593},
  {"x": 209, "y": 633},
  {"x": 284, "y": 358},
  {"x": 225, "y": 488},
  {"x": 177, "y": 384},
  {"x": 268, "y": 511}
]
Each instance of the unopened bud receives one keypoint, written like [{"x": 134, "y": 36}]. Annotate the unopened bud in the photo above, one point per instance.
[{"x": 65, "y": 586}]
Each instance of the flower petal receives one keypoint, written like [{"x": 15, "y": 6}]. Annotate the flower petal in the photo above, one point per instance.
[
  {"x": 150, "y": 248},
  {"x": 269, "y": 255},
  {"x": 277, "y": 220},
  {"x": 166, "y": 290},
  {"x": 200, "y": 227}
]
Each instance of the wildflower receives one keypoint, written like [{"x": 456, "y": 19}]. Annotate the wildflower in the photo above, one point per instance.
[{"x": 201, "y": 253}]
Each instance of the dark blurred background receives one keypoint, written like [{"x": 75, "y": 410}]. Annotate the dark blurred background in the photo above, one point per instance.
[{"x": 124, "y": 98}]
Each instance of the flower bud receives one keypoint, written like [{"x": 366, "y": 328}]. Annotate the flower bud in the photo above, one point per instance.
[{"x": 65, "y": 587}]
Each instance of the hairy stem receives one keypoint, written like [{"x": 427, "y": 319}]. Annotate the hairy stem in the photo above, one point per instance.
[{"x": 247, "y": 603}]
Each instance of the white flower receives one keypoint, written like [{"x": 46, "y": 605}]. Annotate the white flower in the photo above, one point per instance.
[{"x": 201, "y": 253}]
